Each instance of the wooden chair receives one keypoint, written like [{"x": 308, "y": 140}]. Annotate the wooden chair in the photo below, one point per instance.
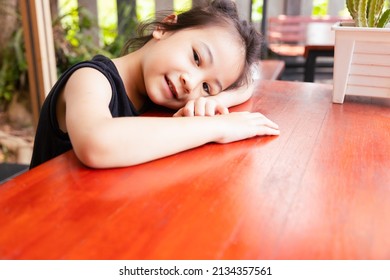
[{"x": 287, "y": 38}]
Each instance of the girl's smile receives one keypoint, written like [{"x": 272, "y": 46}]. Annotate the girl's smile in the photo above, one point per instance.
[{"x": 172, "y": 88}]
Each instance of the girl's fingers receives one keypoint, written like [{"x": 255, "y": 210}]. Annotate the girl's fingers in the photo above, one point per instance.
[
  {"x": 261, "y": 124},
  {"x": 210, "y": 108},
  {"x": 199, "y": 107},
  {"x": 265, "y": 130},
  {"x": 267, "y": 122},
  {"x": 179, "y": 113},
  {"x": 222, "y": 110},
  {"x": 188, "y": 109},
  {"x": 213, "y": 108},
  {"x": 260, "y": 119}
]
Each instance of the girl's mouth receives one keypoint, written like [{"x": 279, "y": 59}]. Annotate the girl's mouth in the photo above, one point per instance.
[{"x": 171, "y": 87}]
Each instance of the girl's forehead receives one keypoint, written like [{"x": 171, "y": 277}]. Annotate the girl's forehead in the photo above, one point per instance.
[
  {"x": 216, "y": 34},
  {"x": 216, "y": 29}
]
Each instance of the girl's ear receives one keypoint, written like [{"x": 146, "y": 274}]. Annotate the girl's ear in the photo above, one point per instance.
[{"x": 159, "y": 31}]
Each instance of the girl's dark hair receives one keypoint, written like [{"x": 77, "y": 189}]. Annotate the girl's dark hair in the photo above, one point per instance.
[{"x": 217, "y": 12}]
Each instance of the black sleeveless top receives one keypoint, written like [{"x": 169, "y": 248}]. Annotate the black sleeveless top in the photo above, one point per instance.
[{"x": 50, "y": 141}]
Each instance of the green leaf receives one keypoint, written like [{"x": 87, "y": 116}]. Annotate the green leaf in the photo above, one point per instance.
[
  {"x": 352, "y": 8},
  {"x": 384, "y": 19},
  {"x": 372, "y": 15},
  {"x": 379, "y": 7},
  {"x": 362, "y": 13}
]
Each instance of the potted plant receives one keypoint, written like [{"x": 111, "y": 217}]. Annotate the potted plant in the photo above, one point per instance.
[{"x": 362, "y": 51}]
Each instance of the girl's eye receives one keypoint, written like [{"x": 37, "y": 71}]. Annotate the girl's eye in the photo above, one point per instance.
[
  {"x": 196, "y": 58},
  {"x": 206, "y": 88}
]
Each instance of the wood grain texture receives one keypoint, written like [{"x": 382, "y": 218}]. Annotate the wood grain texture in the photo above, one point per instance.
[{"x": 320, "y": 190}]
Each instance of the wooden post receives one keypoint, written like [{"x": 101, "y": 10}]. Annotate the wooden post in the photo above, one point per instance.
[
  {"x": 38, "y": 36},
  {"x": 126, "y": 21},
  {"x": 307, "y": 7},
  {"x": 275, "y": 8},
  {"x": 292, "y": 8},
  {"x": 263, "y": 30}
]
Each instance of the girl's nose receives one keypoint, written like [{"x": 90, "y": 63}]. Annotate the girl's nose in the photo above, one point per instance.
[{"x": 187, "y": 83}]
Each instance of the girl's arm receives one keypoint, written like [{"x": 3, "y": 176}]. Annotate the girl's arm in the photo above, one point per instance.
[{"x": 101, "y": 141}]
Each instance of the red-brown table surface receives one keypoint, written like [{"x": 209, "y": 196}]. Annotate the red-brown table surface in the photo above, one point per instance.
[{"x": 320, "y": 190}]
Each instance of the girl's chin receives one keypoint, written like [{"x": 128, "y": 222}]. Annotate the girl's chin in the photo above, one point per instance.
[
  {"x": 171, "y": 106},
  {"x": 160, "y": 99},
  {"x": 166, "y": 103}
]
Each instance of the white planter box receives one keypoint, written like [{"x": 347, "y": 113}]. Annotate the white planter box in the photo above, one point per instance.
[{"x": 361, "y": 62}]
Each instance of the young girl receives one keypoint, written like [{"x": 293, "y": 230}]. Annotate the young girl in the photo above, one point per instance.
[{"x": 197, "y": 62}]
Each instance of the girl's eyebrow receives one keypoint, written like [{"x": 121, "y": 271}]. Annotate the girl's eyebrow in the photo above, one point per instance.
[
  {"x": 210, "y": 57},
  {"x": 208, "y": 51}
]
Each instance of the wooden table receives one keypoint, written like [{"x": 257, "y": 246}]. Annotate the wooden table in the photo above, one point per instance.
[
  {"x": 270, "y": 69},
  {"x": 320, "y": 190}
]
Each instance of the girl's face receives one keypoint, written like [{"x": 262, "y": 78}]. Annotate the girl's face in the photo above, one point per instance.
[{"x": 191, "y": 63}]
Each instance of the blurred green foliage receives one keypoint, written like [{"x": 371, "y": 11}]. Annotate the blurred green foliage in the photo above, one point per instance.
[
  {"x": 320, "y": 7},
  {"x": 74, "y": 41},
  {"x": 75, "y": 34},
  {"x": 13, "y": 70},
  {"x": 73, "y": 38}
]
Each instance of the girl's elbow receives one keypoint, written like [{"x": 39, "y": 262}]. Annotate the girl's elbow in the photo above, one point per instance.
[
  {"x": 92, "y": 153},
  {"x": 90, "y": 158}
]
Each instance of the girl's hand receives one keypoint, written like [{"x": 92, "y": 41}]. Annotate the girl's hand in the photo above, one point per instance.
[
  {"x": 202, "y": 106},
  {"x": 241, "y": 125}
]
